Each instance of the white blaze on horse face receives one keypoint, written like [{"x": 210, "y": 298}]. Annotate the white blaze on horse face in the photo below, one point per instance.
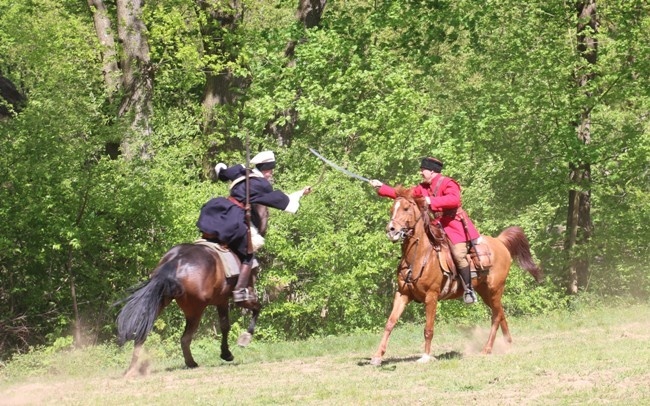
[
  {"x": 392, "y": 233},
  {"x": 397, "y": 204}
]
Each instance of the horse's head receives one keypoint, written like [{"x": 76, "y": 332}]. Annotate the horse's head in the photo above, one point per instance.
[{"x": 404, "y": 215}]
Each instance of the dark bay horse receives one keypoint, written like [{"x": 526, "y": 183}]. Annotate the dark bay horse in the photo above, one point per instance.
[
  {"x": 420, "y": 275},
  {"x": 193, "y": 275}
]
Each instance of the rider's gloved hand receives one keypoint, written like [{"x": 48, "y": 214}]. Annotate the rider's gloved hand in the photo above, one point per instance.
[{"x": 375, "y": 183}]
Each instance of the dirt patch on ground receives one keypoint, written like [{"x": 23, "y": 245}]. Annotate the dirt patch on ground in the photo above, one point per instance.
[{"x": 594, "y": 361}]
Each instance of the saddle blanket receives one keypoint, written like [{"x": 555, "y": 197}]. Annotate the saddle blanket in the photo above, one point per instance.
[{"x": 228, "y": 259}]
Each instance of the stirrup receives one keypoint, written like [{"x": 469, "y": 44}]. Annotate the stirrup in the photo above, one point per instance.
[
  {"x": 469, "y": 297},
  {"x": 244, "y": 295}
]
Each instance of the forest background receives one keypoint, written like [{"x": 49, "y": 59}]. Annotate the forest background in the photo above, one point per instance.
[{"x": 114, "y": 112}]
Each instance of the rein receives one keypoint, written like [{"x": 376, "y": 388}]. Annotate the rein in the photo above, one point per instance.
[{"x": 407, "y": 233}]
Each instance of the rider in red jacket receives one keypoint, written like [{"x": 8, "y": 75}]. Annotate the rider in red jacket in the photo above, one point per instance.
[{"x": 442, "y": 194}]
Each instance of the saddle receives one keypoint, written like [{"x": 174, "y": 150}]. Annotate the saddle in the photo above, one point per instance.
[
  {"x": 479, "y": 255},
  {"x": 230, "y": 261}
]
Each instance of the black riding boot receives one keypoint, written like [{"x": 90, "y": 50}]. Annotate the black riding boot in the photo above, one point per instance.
[
  {"x": 466, "y": 276},
  {"x": 241, "y": 292}
]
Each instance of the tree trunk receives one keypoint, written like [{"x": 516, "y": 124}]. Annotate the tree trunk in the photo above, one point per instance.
[
  {"x": 309, "y": 13},
  {"x": 84, "y": 197},
  {"x": 11, "y": 101},
  {"x": 76, "y": 334},
  {"x": 222, "y": 87},
  {"x": 219, "y": 86},
  {"x": 137, "y": 78},
  {"x": 104, "y": 31},
  {"x": 579, "y": 223}
]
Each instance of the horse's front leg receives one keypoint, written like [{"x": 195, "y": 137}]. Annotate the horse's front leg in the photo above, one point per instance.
[
  {"x": 224, "y": 325},
  {"x": 399, "y": 304},
  {"x": 246, "y": 337},
  {"x": 430, "y": 308}
]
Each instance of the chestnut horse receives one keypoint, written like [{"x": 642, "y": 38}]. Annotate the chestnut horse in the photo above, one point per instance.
[
  {"x": 193, "y": 275},
  {"x": 421, "y": 277}
]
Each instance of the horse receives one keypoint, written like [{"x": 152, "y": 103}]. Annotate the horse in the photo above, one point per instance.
[
  {"x": 194, "y": 275},
  {"x": 421, "y": 276}
]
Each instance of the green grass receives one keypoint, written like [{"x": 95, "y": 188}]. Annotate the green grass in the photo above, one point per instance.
[{"x": 597, "y": 356}]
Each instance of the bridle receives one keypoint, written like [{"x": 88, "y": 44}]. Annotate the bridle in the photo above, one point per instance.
[{"x": 404, "y": 229}]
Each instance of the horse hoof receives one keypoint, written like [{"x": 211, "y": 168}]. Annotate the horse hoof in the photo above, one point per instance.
[
  {"x": 424, "y": 359},
  {"x": 191, "y": 364},
  {"x": 144, "y": 368},
  {"x": 244, "y": 339},
  {"x": 131, "y": 373},
  {"x": 227, "y": 356},
  {"x": 375, "y": 361}
]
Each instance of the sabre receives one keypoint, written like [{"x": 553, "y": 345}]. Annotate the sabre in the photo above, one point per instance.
[
  {"x": 338, "y": 168},
  {"x": 247, "y": 206}
]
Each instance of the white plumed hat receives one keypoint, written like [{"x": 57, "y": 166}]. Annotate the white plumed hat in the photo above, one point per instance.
[{"x": 264, "y": 161}]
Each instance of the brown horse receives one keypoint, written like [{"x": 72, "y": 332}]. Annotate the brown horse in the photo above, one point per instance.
[
  {"x": 421, "y": 277},
  {"x": 193, "y": 275}
]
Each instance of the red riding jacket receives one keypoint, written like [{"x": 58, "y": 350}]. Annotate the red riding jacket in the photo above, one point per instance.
[{"x": 444, "y": 193}]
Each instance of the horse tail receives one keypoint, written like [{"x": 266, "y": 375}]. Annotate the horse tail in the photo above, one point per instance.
[
  {"x": 515, "y": 240},
  {"x": 136, "y": 318}
]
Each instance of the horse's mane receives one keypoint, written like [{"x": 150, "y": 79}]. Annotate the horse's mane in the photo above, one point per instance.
[
  {"x": 407, "y": 193},
  {"x": 401, "y": 191},
  {"x": 436, "y": 235}
]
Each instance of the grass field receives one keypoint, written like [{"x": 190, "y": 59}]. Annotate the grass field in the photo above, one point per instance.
[{"x": 591, "y": 356}]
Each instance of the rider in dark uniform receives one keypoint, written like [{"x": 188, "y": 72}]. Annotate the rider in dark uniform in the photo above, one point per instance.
[{"x": 223, "y": 219}]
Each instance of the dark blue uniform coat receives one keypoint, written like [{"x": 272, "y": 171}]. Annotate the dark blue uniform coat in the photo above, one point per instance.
[{"x": 226, "y": 220}]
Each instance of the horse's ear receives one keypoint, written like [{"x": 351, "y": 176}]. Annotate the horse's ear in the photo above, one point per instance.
[{"x": 401, "y": 191}]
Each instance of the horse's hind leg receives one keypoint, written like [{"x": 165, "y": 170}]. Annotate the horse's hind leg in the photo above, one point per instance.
[
  {"x": 138, "y": 348},
  {"x": 133, "y": 368},
  {"x": 505, "y": 330},
  {"x": 191, "y": 324},
  {"x": 498, "y": 319},
  {"x": 224, "y": 325}
]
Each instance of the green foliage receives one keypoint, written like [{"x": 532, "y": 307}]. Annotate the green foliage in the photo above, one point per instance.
[
  {"x": 490, "y": 90},
  {"x": 325, "y": 289}
]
